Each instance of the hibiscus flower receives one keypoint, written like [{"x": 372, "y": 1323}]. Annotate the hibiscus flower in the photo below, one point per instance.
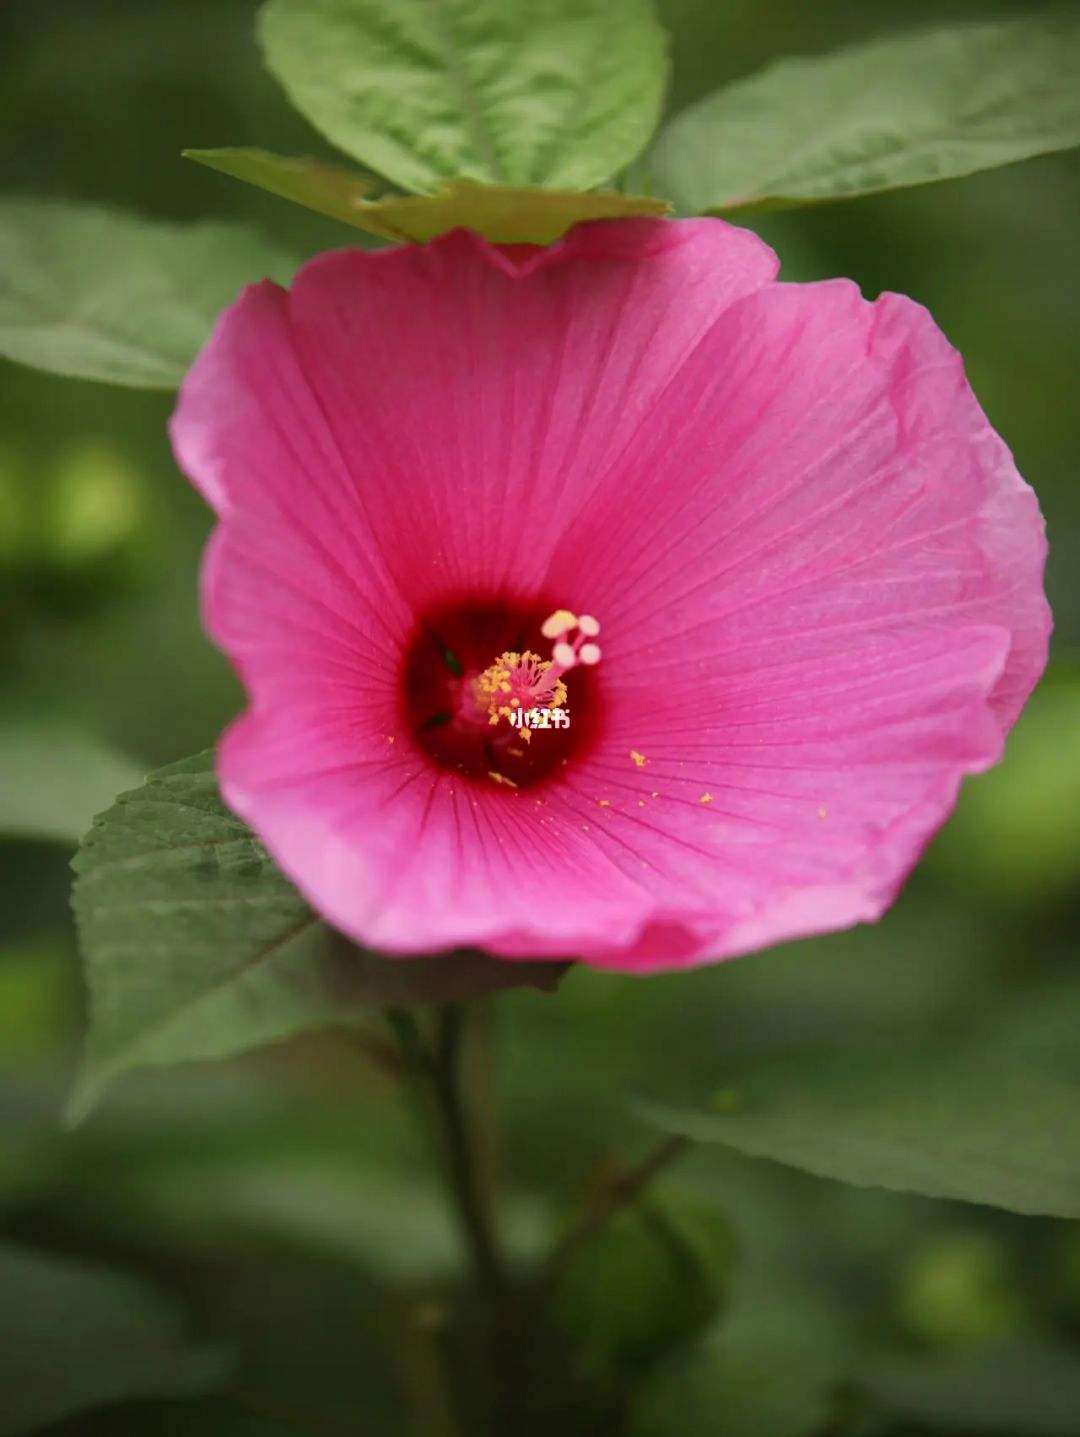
[{"x": 755, "y": 542}]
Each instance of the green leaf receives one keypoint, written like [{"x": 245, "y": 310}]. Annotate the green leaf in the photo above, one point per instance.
[
  {"x": 317, "y": 185},
  {"x": 956, "y": 1120},
  {"x": 504, "y": 214},
  {"x": 891, "y": 113},
  {"x": 515, "y": 92},
  {"x": 196, "y": 947},
  {"x": 73, "y": 1338},
  {"x": 97, "y": 294},
  {"x": 55, "y": 777}
]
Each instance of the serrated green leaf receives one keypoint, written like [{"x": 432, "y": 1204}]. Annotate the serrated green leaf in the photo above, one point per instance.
[
  {"x": 196, "y": 947},
  {"x": 895, "y": 112},
  {"x": 74, "y": 1338},
  {"x": 954, "y": 1120},
  {"x": 97, "y": 294},
  {"x": 504, "y": 214},
  {"x": 515, "y": 92}
]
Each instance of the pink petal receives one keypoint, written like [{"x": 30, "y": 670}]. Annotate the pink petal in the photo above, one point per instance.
[{"x": 818, "y": 573}]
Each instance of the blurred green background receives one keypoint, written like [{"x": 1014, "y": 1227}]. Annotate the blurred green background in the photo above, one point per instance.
[{"x": 276, "y": 1220}]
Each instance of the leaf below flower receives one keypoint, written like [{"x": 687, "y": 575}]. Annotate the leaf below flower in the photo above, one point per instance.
[
  {"x": 196, "y": 947},
  {"x": 971, "y": 1119}
]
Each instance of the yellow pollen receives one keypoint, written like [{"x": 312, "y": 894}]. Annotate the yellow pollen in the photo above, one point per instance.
[
  {"x": 705, "y": 798},
  {"x": 603, "y": 802},
  {"x": 501, "y": 778},
  {"x": 823, "y": 813},
  {"x": 639, "y": 758},
  {"x": 494, "y": 688}
]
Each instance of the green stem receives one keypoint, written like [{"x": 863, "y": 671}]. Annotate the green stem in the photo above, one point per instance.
[
  {"x": 425, "y": 1367},
  {"x": 436, "y": 1074},
  {"x": 612, "y": 1197},
  {"x": 463, "y": 1164}
]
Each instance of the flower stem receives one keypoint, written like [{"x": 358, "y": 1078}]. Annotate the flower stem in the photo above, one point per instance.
[
  {"x": 463, "y": 1163},
  {"x": 437, "y": 1075},
  {"x": 612, "y": 1197}
]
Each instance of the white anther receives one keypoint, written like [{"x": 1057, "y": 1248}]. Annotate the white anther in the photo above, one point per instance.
[
  {"x": 560, "y": 622},
  {"x": 589, "y": 654},
  {"x": 564, "y": 655},
  {"x": 588, "y": 626}
]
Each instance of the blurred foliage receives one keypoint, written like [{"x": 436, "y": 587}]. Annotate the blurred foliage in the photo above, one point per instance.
[
  {"x": 101, "y": 295},
  {"x": 282, "y": 1209},
  {"x": 79, "y": 1338},
  {"x": 902, "y": 110}
]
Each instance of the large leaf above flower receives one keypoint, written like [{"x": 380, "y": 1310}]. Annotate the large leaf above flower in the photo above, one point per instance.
[
  {"x": 505, "y": 214},
  {"x": 894, "y": 112},
  {"x": 196, "y": 947},
  {"x": 515, "y": 92},
  {"x": 98, "y": 294},
  {"x": 992, "y": 1118}
]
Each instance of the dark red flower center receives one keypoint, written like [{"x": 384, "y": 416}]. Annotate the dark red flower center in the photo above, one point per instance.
[{"x": 487, "y": 695}]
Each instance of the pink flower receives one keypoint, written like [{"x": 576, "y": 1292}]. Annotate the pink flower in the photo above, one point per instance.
[{"x": 792, "y": 576}]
